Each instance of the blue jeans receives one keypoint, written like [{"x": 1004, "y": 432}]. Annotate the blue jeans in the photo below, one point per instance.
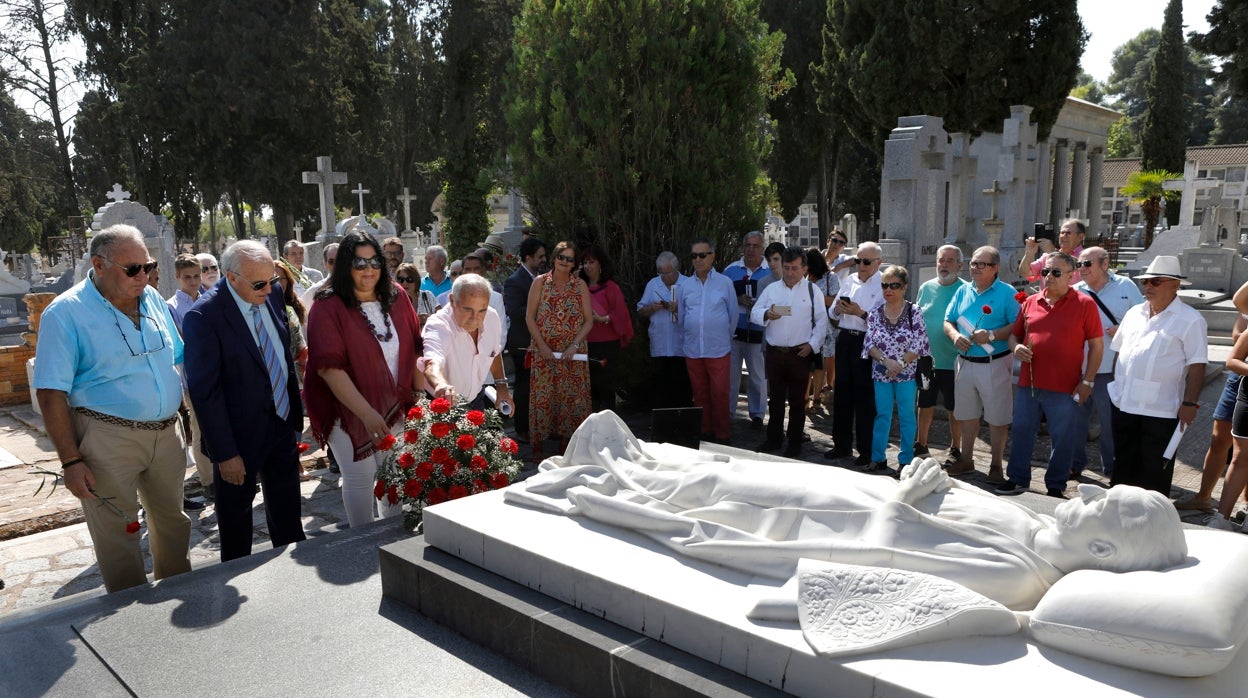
[
  {"x": 1063, "y": 414},
  {"x": 886, "y": 394},
  {"x": 1100, "y": 404}
]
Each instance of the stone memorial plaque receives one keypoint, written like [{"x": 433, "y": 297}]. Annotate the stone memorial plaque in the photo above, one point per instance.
[{"x": 1209, "y": 269}]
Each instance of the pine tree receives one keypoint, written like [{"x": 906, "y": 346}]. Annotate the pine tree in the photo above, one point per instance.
[{"x": 1164, "y": 137}]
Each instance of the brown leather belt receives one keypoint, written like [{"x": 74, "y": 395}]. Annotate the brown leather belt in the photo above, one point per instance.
[{"x": 131, "y": 423}]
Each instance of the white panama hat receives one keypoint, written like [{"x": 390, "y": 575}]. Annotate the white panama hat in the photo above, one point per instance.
[{"x": 1164, "y": 267}]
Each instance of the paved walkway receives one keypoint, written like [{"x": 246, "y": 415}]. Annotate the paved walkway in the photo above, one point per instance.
[{"x": 38, "y": 567}]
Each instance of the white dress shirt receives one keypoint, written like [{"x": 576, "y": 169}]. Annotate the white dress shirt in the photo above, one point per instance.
[
  {"x": 464, "y": 362},
  {"x": 1153, "y": 356},
  {"x": 806, "y": 324},
  {"x": 867, "y": 294}
]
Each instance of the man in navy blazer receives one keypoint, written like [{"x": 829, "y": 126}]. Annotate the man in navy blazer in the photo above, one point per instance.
[
  {"x": 516, "y": 303},
  {"x": 242, "y": 382}
]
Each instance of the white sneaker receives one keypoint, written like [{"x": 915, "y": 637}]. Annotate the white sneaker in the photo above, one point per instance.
[{"x": 1220, "y": 523}]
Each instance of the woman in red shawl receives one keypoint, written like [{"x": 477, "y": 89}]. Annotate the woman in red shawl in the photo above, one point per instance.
[{"x": 363, "y": 341}]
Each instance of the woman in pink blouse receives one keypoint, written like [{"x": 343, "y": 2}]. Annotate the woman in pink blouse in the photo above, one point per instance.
[
  {"x": 896, "y": 338},
  {"x": 612, "y": 329}
]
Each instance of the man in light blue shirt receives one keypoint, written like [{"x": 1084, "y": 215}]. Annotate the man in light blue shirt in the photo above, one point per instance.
[
  {"x": 1115, "y": 295},
  {"x": 109, "y": 391},
  {"x": 660, "y": 305},
  {"x": 707, "y": 312}
]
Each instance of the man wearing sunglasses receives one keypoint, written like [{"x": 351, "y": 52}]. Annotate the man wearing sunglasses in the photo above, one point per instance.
[
  {"x": 708, "y": 317},
  {"x": 1163, "y": 348},
  {"x": 1114, "y": 295},
  {"x": 1055, "y": 330},
  {"x": 853, "y": 401},
  {"x": 109, "y": 391},
  {"x": 210, "y": 271},
  {"x": 242, "y": 382}
]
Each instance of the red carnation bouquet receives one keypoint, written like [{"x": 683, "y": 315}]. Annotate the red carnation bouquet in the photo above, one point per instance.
[{"x": 447, "y": 451}]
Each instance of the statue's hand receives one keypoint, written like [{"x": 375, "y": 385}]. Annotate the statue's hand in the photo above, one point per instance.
[{"x": 921, "y": 478}]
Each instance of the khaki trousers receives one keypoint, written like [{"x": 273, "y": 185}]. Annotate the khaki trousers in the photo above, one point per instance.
[{"x": 132, "y": 466}]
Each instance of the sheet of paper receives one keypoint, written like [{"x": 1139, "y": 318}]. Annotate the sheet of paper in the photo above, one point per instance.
[
  {"x": 967, "y": 327},
  {"x": 1174, "y": 442}
]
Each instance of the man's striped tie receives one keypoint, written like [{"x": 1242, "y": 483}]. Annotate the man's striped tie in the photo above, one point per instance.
[{"x": 277, "y": 378}]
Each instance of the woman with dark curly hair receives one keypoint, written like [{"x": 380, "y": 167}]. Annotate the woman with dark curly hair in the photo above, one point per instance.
[
  {"x": 363, "y": 341},
  {"x": 612, "y": 328}
]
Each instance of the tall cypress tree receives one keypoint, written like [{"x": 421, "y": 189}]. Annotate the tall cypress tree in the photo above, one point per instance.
[{"x": 1164, "y": 138}]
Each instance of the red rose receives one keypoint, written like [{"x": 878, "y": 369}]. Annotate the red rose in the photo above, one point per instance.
[
  {"x": 410, "y": 436},
  {"x": 466, "y": 442},
  {"x": 475, "y": 417},
  {"x": 440, "y": 430},
  {"x": 509, "y": 445},
  {"x": 392, "y": 494},
  {"x": 478, "y": 487},
  {"x": 450, "y": 468},
  {"x": 425, "y": 470},
  {"x": 458, "y": 491},
  {"x": 303, "y": 446},
  {"x": 478, "y": 463},
  {"x": 440, "y": 455},
  {"x": 498, "y": 480},
  {"x": 406, "y": 460},
  {"x": 387, "y": 443},
  {"x": 379, "y": 490},
  {"x": 413, "y": 488},
  {"x": 415, "y": 413},
  {"x": 986, "y": 310},
  {"x": 1020, "y": 296},
  {"x": 440, "y": 406},
  {"x": 436, "y": 495},
  {"x": 132, "y": 527}
]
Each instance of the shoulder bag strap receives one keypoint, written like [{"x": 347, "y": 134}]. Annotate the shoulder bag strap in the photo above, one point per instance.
[{"x": 1112, "y": 320}]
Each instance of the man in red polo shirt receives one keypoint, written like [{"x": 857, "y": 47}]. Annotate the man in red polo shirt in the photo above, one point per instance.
[{"x": 1049, "y": 338}]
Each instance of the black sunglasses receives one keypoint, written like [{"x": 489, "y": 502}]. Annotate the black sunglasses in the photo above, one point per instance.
[
  {"x": 892, "y": 285},
  {"x": 1055, "y": 273},
  {"x": 837, "y": 241},
  {"x": 700, "y": 255},
  {"x": 865, "y": 262},
  {"x": 566, "y": 258},
  {"x": 132, "y": 270},
  {"x": 205, "y": 270},
  {"x": 362, "y": 263},
  {"x": 405, "y": 279},
  {"x": 1085, "y": 264},
  {"x": 257, "y": 285}
]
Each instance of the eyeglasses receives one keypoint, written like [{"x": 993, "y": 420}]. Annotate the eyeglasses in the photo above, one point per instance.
[
  {"x": 1155, "y": 281},
  {"x": 1055, "y": 273},
  {"x": 127, "y": 340},
  {"x": 362, "y": 263},
  {"x": 982, "y": 265},
  {"x": 570, "y": 259},
  {"x": 836, "y": 241},
  {"x": 405, "y": 279},
  {"x": 205, "y": 270},
  {"x": 893, "y": 285},
  {"x": 866, "y": 262},
  {"x": 700, "y": 255},
  {"x": 132, "y": 270},
  {"x": 257, "y": 285},
  {"x": 1084, "y": 264}
]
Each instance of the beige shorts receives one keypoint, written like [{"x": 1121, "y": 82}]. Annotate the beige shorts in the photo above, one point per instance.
[{"x": 984, "y": 390}]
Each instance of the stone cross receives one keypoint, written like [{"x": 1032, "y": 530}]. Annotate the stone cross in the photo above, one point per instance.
[
  {"x": 1188, "y": 186},
  {"x": 325, "y": 178},
  {"x": 117, "y": 193},
  {"x": 994, "y": 192},
  {"x": 1211, "y": 221},
  {"x": 299, "y": 232},
  {"x": 359, "y": 189},
  {"x": 406, "y": 199}
]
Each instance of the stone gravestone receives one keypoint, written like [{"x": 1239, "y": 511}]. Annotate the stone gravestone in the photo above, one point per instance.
[
  {"x": 325, "y": 178},
  {"x": 1209, "y": 269},
  {"x": 156, "y": 229},
  {"x": 917, "y": 164}
]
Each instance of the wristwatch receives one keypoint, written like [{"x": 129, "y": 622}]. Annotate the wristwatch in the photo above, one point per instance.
[{"x": 1090, "y": 384}]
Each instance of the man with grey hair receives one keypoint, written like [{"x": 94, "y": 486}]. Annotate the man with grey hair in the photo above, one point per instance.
[
  {"x": 107, "y": 386},
  {"x": 978, "y": 322},
  {"x": 659, "y": 304},
  {"x": 436, "y": 280},
  {"x": 747, "y": 341},
  {"x": 853, "y": 402},
  {"x": 933, "y": 300},
  {"x": 209, "y": 270},
  {"x": 305, "y": 277},
  {"x": 464, "y": 346},
  {"x": 244, "y": 386},
  {"x": 329, "y": 255}
]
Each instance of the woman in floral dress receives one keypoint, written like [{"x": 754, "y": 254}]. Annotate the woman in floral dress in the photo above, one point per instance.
[
  {"x": 559, "y": 318},
  {"x": 896, "y": 338}
]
